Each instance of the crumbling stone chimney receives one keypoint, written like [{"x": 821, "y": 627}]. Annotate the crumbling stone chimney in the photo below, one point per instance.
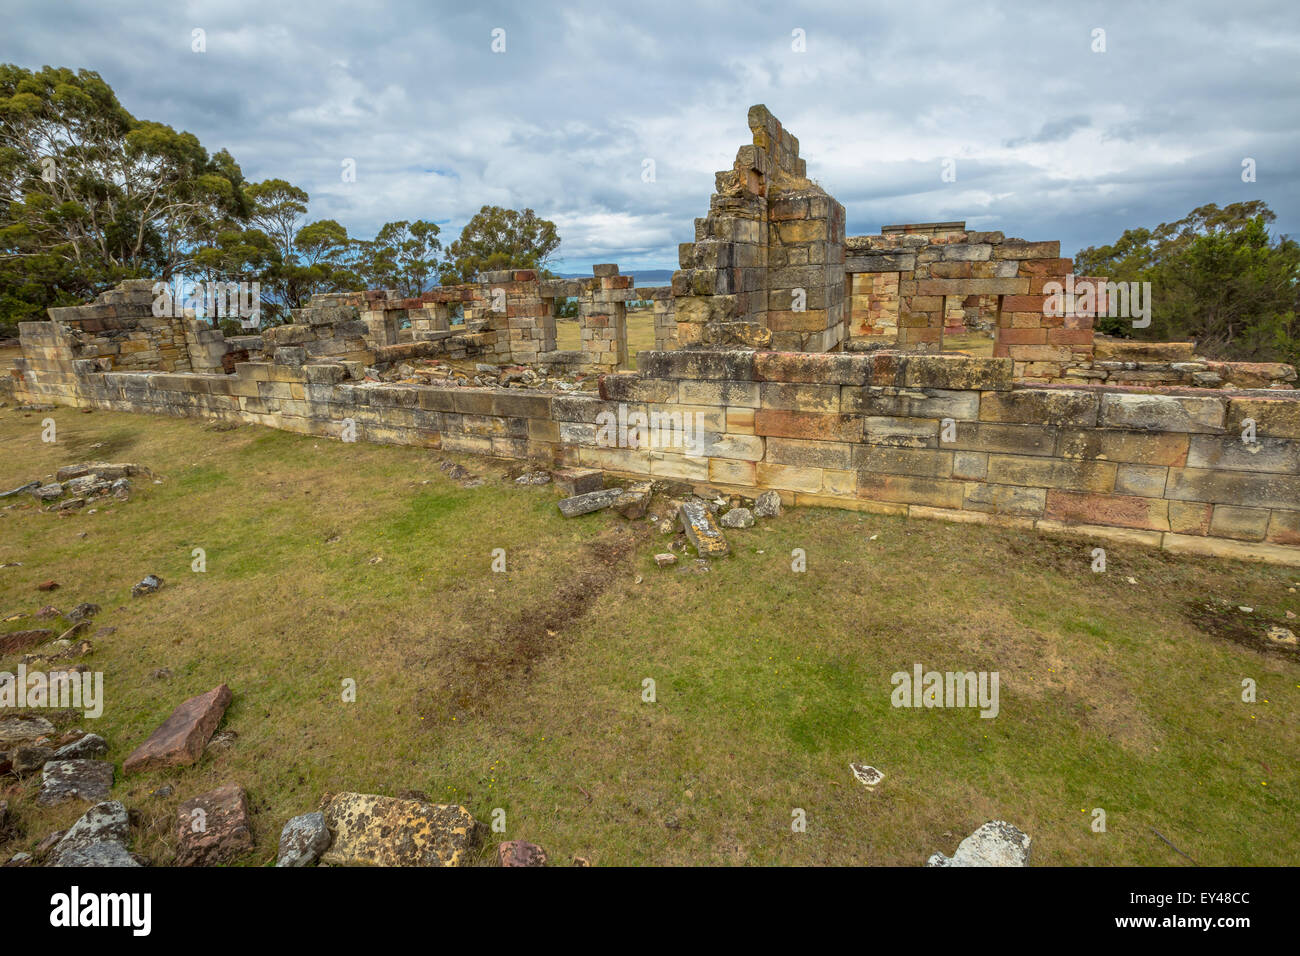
[{"x": 766, "y": 268}]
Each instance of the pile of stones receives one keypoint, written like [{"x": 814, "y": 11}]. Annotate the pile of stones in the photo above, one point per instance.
[{"x": 75, "y": 486}]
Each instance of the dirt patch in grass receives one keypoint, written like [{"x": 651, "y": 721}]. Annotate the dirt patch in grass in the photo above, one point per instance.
[
  {"x": 1228, "y": 622},
  {"x": 493, "y": 654},
  {"x": 1072, "y": 674}
]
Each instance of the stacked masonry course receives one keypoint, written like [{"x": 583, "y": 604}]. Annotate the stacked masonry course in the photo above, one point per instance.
[{"x": 891, "y": 430}]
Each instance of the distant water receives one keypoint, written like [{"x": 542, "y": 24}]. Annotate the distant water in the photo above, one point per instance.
[{"x": 644, "y": 277}]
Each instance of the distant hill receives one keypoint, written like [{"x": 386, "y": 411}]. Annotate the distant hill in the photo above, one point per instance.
[{"x": 644, "y": 277}]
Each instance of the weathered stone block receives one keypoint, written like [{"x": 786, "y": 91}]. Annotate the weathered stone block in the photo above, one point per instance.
[
  {"x": 1231, "y": 487},
  {"x": 1273, "y": 417},
  {"x": 810, "y": 454},
  {"x": 1147, "y": 481},
  {"x": 1167, "y": 413},
  {"x": 920, "y": 462},
  {"x": 213, "y": 827},
  {"x": 702, "y": 529},
  {"x": 955, "y": 372},
  {"x": 1230, "y": 452},
  {"x": 1040, "y": 406},
  {"x": 907, "y": 489},
  {"x": 1150, "y": 448},
  {"x": 788, "y": 477},
  {"x": 911, "y": 402},
  {"x": 1243, "y": 524},
  {"x": 1072, "y": 474},
  {"x": 1004, "y": 499},
  {"x": 812, "y": 367},
  {"x": 1123, "y": 511},
  {"x": 799, "y": 398}
]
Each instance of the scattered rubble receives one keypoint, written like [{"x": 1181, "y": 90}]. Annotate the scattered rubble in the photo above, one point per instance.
[
  {"x": 1281, "y": 635},
  {"x": 738, "y": 518},
  {"x": 578, "y": 481},
  {"x": 702, "y": 529},
  {"x": 16, "y": 642},
  {"x": 84, "y": 747},
  {"x": 767, "y": 505},
  {"x": 149, "y": 584},
  {"x": 520, "y": 853},
  {"x": 865, "y": 775},
  {"x": 589, "y": 502}
]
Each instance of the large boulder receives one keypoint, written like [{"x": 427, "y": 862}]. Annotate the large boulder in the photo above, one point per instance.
[
  {"x": 994, "y": 844},
  {"x": 371, "y": 830},
  {"x": 99, "y": 838}
]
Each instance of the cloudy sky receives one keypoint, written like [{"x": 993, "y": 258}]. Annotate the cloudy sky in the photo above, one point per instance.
[{"x": 1049, "y": 139}]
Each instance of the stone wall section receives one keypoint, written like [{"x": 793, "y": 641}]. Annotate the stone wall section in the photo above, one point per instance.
[{"x": 936, "y": 436}]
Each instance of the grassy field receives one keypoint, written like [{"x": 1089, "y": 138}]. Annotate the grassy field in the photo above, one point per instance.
[
  {"x": 523, "y": 690},
  {"x": 640, "y": 334}
]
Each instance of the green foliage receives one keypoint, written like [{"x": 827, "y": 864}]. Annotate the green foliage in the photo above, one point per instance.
[
  {"x": 89, "y": 195},
  {"x": 402, "y": 256},
  {"x": 498, "y": 238},
  {"x": 1217, "y": 277}
]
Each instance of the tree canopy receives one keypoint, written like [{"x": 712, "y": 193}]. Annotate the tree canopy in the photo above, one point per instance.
[
  {"x": 1217, "y": 277},
  {"x": 90, "y": 195}
]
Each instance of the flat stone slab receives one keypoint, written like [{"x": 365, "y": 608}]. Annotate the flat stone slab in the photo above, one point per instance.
[
  {"x": 23, "y": 729},
  {"x": 702, "y": 530},
  {"x": 371, "y": 830},
  {"x": 16, "y": 642},
  {"x": 179, "y": 742},
  {"x": 213, "y": 827},
  {"x": 997, "y": 843},
  {"x": 64, "y": 780},
  {"x": 591, "y": 501},
  {"x": 99, "y": 838}
]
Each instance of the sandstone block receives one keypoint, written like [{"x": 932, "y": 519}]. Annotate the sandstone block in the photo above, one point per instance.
[
  {"x": 183, "y": 735},
  {"x": 1165, "y": 413},
  {"x": 213, "y": 827},
  {"x": 1123, "y": 511}
]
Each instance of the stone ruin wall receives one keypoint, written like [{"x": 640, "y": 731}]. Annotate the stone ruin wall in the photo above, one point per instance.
[
  {"x": 769, "y": 232},
  {"x": 900, "y": 430}
]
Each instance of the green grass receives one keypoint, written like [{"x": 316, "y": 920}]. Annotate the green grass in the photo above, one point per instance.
[{"x": 523, "y": 690}]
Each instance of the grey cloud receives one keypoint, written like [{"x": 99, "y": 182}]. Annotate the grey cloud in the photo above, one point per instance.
[{"x": 1050, "y": 139}]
